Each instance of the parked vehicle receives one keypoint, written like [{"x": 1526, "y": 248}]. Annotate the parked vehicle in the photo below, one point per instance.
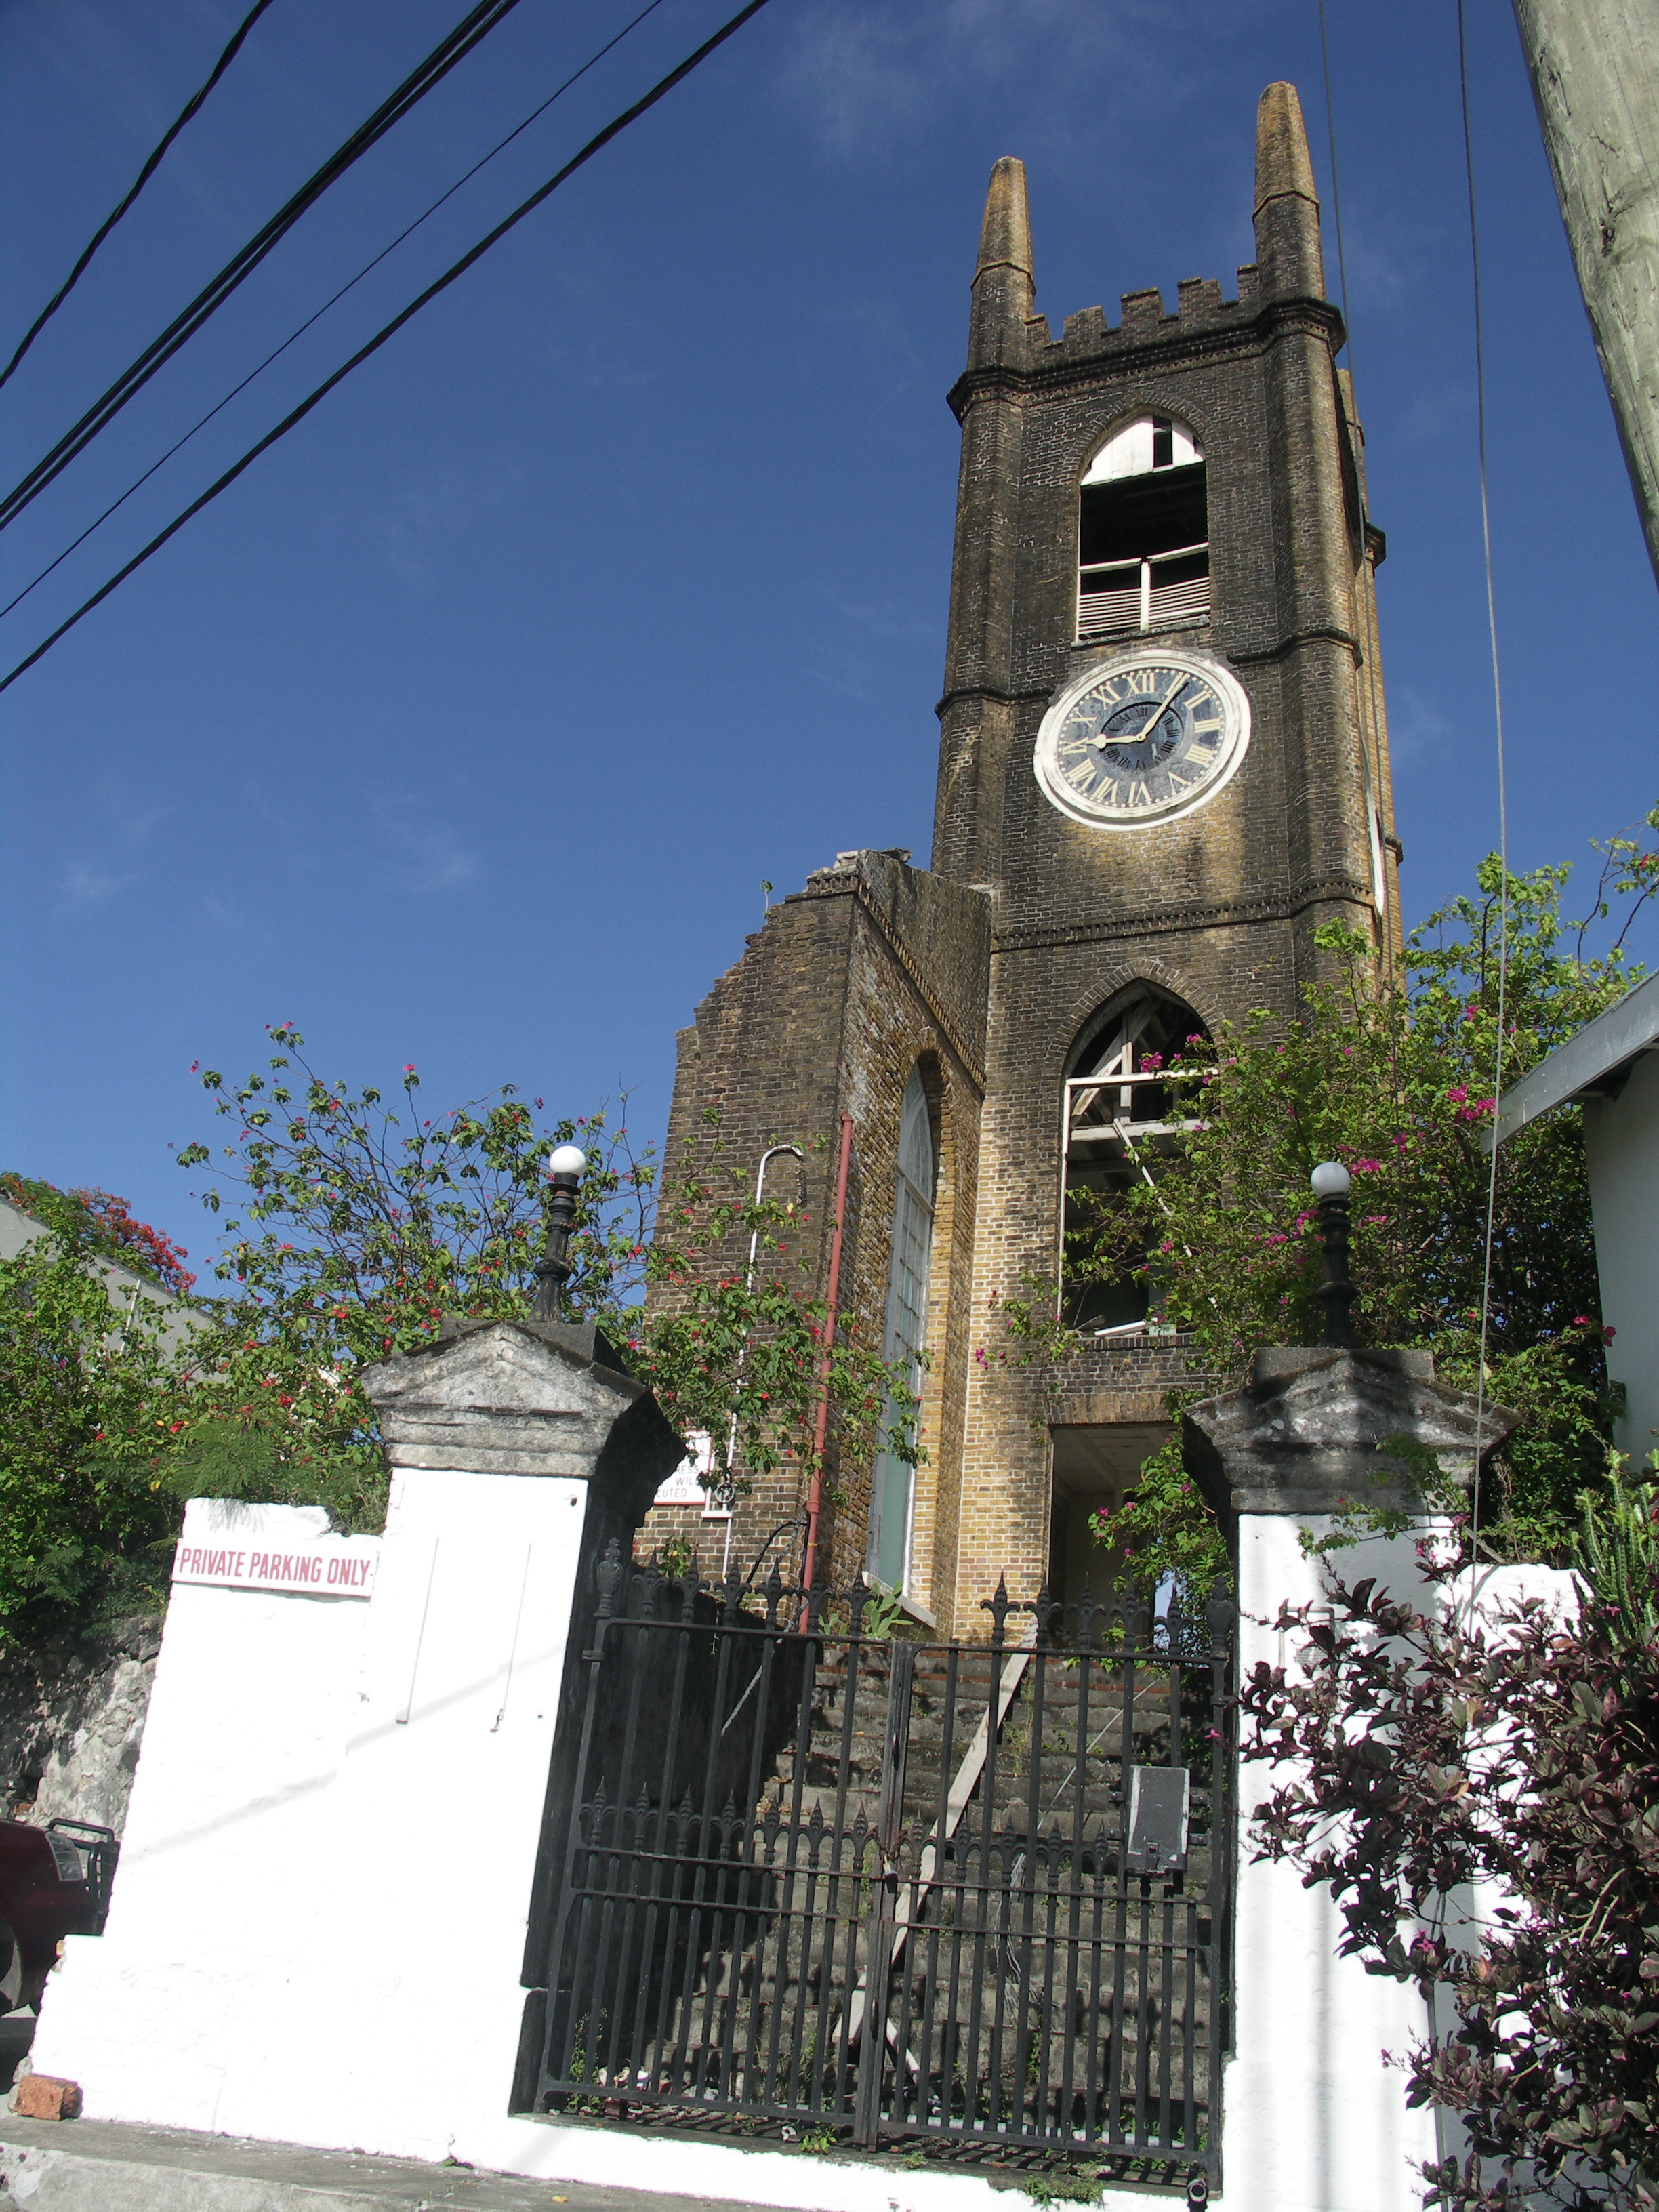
[{"x": 54, "y": 1881}]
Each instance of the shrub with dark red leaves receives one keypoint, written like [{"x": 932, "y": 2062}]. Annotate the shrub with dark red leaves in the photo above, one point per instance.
[{"x": 1517, "y": 1759}]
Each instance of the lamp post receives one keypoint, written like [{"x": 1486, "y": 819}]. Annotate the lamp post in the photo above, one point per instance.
[
  {"x": 564, "y": 1169},
  {"x": 1330, "y": 1187}
]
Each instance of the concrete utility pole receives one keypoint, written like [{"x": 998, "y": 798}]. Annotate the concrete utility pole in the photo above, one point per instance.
[{"x": 1594, "y": 70}]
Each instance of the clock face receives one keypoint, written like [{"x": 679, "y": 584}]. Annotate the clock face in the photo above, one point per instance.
[{"x": 1143, "y": 738}]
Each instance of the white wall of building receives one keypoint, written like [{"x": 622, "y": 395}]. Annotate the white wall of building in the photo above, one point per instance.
[{"x": 1621, "y": 1145}]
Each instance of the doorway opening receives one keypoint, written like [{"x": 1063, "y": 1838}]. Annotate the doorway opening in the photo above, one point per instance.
[{"x": 1095, "y": 1469}]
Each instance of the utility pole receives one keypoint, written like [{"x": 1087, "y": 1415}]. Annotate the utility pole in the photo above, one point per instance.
[{"x": 1594, "y": 70}]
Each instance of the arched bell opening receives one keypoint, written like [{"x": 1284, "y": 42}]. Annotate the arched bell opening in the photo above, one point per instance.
[{"x": 1144, "y": 531}]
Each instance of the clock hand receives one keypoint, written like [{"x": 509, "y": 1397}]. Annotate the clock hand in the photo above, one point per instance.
[
  {"x": 1164, "y": 705},
  {"x": 1103, "y": 736}
]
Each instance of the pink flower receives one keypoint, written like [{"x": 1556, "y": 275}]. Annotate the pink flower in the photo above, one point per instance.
[
  {"x": 1456, "y": 1092},
  {"x": 1609, "y": 1333},
  {"x": 1581, "y": 1321},
  {"x": 1368, "y": 1167}
]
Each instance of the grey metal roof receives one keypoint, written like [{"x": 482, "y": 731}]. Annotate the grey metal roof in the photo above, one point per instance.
[{"x": 1600, "y": 1048}]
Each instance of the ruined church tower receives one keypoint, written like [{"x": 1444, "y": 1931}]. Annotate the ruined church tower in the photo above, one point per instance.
[{"x": 1162, "y": 765}]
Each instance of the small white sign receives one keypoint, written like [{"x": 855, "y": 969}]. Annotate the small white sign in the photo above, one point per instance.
[
  {"x": 345, "y": 1567},
  {"x": 689, "y": 1483}
]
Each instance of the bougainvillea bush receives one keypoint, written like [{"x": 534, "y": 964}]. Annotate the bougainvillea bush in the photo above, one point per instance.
[
  {"x": 1393, "y": 1075},
  {"x": 1515, "y": 1761},
  {"x": 104, "y": 1225}
]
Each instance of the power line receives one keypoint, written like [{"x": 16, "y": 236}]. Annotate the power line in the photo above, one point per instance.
[
  {"x": 1370, "y": 747},
  {"x": 297, "y": 415},
  {"x": 235, "y": 390},
  {"x": 1336, "y": 181},
  {"x": 468, "y": 33},
  {"x": 140, "y": 181},
  {"x": 1502, "y": 809}
]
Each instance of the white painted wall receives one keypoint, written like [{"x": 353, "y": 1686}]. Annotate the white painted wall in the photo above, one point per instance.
[
  {"x": 1621, "y": 1146},
  {"x": 201, "y": 1965},
  {"x": 319, "y": 1917},
  {"x": 1314, "y": 2120},
  {"x": 319, "y": 1921}
]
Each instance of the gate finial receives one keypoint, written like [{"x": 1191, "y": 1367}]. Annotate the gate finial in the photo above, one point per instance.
[{"x": 999, "y": 1606}]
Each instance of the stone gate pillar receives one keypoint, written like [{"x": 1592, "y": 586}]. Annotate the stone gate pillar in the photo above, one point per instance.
[
  {"x": 323, "y": 1910},
  {"x": 1315, "y": 2118}
]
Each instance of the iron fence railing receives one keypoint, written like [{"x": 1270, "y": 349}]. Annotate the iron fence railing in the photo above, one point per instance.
[{"x": 889, "y": 1890}]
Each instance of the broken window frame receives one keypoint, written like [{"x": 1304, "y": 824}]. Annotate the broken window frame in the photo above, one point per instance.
[
  {"x": 1115, "y": 1136},
  {"x": 1142, "y": 604}
]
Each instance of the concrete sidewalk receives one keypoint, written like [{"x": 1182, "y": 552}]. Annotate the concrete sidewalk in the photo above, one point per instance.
[{"x": 98, "y": 2166}]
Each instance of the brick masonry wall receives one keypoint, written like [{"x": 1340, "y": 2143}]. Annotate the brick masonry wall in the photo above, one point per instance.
[
  {"x": 874, "y": 968},
  {"x": 1219, "y": 906},
  {"x": 988, "y": 971}
]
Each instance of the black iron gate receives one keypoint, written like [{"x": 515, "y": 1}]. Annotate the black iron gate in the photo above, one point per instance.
[{"x": 883, "y": 1889}]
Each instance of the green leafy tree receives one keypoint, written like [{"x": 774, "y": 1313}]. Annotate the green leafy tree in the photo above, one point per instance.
[
  {"x": 745, "y": 1358},
  {"x": 1164, "y": 1530},
  {"x": 88, "y": 1404},
  {"x": 1392, "y": 1075},
  {"x": 360, "y": 1223},
  {"x": 1394, "y": 1078}
]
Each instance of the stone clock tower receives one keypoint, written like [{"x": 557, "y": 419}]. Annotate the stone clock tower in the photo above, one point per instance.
[{"x": 1162, "y": 765}]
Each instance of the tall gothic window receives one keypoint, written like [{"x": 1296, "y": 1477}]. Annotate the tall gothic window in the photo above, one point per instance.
[
  {"x": 1124, "y": 1114},
  {"x": 1142, "y": 532},
  {"x": 892, "y": 1488}
]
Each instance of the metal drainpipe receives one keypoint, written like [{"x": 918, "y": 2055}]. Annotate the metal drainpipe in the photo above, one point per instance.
[
  {"x": 821, "y": 1426},
  {"x": 766, "y": 1160}
]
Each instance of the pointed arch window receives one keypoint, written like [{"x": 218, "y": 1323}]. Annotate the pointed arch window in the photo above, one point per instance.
[
  {"x": 1142, "y": 532},
  {"x": 1126, "y": 1111},
  {"x": 892, "y": 1488}
]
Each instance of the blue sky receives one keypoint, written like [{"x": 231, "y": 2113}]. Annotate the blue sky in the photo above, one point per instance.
[{"x": 465, "y": 730}]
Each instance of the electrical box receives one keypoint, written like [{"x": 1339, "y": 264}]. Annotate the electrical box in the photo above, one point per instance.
[{"x": 1158, "y": 1799}]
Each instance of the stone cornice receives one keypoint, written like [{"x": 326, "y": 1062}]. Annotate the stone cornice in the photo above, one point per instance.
[
  {"x": 1159, "y": 922},
  {"x": 995, "y": 692},
  {"x": 1024, "y": 695},
  {"x": 1317, "y": 635}
]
